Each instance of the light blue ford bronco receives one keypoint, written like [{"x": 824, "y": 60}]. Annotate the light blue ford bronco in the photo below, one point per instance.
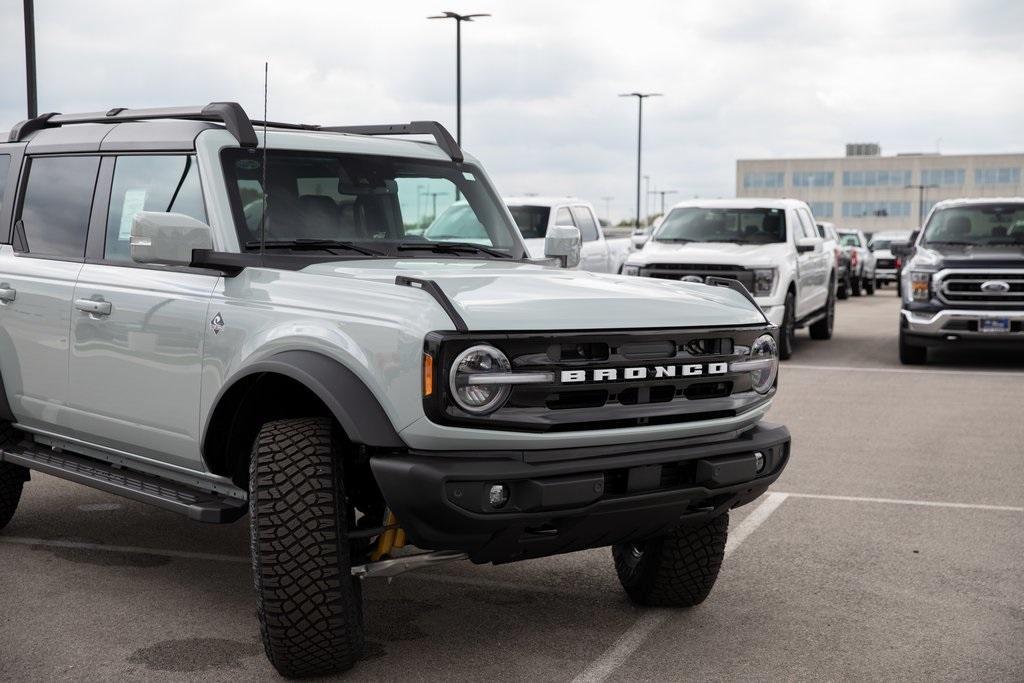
[{"x": 219, "y": 317}]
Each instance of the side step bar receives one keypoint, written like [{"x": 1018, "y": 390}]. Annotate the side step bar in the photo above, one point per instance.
[{"x": 198, "y": 505}]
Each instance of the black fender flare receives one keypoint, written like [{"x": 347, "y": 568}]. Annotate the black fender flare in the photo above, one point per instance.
[{"x": 351, "y": 402}]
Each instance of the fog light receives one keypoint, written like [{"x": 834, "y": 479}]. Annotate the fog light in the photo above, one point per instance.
[
  {"x": 758, "y": 461},
  {"x": 497, "y": 495}
]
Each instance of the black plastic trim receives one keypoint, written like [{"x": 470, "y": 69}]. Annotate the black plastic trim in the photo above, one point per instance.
[
  {"x": 734, "y": 285},
  {"x": 6, "y": 414},
  {"x": 440, "y": 134},
  {"x": 434, "y": 290}
]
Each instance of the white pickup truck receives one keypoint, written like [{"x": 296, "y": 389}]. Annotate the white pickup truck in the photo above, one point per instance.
[
  {"x": 534, "y": 215},
  {"x": 771, "y": 246}
]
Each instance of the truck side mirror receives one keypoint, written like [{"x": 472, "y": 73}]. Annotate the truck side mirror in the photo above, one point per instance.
[
  {"x": 563, "y": 242},
  {"x": 168, "y": 238},
  {"x": 807, "y": 244},
  {"x": 901, "y": 249}
]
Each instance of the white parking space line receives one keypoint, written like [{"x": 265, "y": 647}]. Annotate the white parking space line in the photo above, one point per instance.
[
  {"x": 635, "y": 636},
  {"x": 901, "y": 501},
  {"x": 903, "y": 371}
]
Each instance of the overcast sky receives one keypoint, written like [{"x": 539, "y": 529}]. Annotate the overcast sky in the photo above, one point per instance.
[{"x": 540, "y": 79}]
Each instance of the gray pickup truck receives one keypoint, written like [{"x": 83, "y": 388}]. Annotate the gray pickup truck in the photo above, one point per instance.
[{"x": 221, "y": 318}]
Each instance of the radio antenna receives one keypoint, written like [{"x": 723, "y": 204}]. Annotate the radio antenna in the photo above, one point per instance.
[{"x": 263, "y": 219}]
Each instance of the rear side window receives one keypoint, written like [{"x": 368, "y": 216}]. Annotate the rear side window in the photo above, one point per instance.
[
  {"x": 585, "y": 222},
  {"x": 5, "y": 162},
  {"x": 149, "y": 183},
  {"x": 58, "y": 199},
  {"x": 563, "y": 217}
]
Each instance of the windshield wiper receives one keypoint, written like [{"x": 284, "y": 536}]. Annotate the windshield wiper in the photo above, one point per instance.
[
  {"x": 308, "y": 244},
  {"x": 955, "y": 243},
  {"x": 1018, "y": 243},
  {"x": 451, "y": 248},
  {"x": 680, "y": 240}
]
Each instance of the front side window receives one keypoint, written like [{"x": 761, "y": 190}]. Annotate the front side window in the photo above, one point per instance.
[
  {"x": 998, "y": 224},
  {"x": 58, "y": 200},
  {"x": 585, "y": 222},
  {"x": 375, "y": 205},
  {"x": 532, "y": 221},
  {"x": 742, "y": 226},
  {"x": 149, "y": 183}
]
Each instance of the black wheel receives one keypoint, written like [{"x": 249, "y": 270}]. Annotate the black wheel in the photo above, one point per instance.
[
  {"x": 787, "y": 335},
  {"x": 822, "y": 329},
  {"x": 911, "y": 354},
  {"x": 678, "y": 569},
  {"x": 869, "y": 285},
  {"x": 879, "y": 284},
  {"x": 843, "y": 290},
  {"x": 12, "y": 478},
  {"x": 308, "y": 603},
  {"x": 855, "y": 283}
]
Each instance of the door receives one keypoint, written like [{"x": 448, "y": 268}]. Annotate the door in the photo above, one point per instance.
[
  {"x": 594, "y": 253},
  {"x": 813, "y": 291},
  {"x": 37, "y": 281},
  {"x": 137, "y": 331}
]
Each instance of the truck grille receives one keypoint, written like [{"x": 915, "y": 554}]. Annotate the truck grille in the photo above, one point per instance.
[
  {"x": 973, "y": 288},
  {"x": 885, "y": 263},
  {"x": 677, "y": 271}
]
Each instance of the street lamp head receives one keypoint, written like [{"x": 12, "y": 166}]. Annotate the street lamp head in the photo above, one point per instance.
[
  {"x": 458, "y": 17},
  {"x": 641, "y": 95}
]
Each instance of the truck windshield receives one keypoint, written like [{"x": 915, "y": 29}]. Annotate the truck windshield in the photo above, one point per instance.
[
  {"x": 532, "y": 220},
  {"x": 981, "y": 224},
  {"x": 372, "y": 205},
  {"x": 743, "y": 226},
  {"x": 849, "y": 239}
]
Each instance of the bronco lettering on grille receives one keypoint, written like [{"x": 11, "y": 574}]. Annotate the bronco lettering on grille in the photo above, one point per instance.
[{"x": 641, "y": 373}]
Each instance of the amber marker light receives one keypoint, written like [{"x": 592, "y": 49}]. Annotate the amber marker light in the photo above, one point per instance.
[{"x": 428, "y": 374}]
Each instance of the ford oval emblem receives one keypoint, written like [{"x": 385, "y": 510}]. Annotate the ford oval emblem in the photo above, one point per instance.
[
  {"x": 995, "y": 286},
  {"x": 692, "y": 278}
]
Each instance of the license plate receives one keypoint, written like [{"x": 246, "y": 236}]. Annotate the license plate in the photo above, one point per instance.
[{"x": 995, "y": 325}]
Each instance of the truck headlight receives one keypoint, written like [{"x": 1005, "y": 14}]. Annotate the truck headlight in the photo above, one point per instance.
[
  {"x": 630, "y": 270},
  {"x": 764, "y": 281},
  {"x": 920, "y": 285},
  {"x": 762, "y": 363},
  {"x": 472, "y": 388}
]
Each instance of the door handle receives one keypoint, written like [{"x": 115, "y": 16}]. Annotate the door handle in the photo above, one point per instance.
[
  {"x": 93, "y": 307},
  {"x": 7, "y": 295}
]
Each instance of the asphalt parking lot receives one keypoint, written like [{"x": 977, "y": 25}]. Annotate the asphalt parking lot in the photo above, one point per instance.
[{"x": 892, "y": 548}]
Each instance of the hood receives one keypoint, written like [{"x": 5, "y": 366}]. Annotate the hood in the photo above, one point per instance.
[
  {"x": 496, "y": 297},
  {"x": 752, "y": 255},
  {"x": 962, "y": 256}
]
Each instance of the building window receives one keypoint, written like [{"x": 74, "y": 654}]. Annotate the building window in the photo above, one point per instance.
[
  {"x": 875, "y": 209},
  {"x": 876, "y": 178},
  {"x": 813, "y": 179},
  {"x": 821, "y": 209},
  {"x": 765, "y": 179},
  {"x": 942, "y": 177},
  {"x": 997, "y": 176}
]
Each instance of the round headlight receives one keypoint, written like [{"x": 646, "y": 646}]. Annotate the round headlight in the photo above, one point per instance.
[
  {"x": 470, "y": 386},
  {"x": 766, "y": 350}
]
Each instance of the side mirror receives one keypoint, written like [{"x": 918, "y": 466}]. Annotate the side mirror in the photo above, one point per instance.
[
  {"x": 168, "y": 238},
  {"x": 807, "y": 244},
  {"x": 563, "y": 242},
  {"x": 901, "y": 249}
]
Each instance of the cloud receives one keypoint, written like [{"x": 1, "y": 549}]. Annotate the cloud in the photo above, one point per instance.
[{"x": 540, "y": 78}]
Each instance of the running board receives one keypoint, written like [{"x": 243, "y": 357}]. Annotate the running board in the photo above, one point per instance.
[
  {"x": 812, "y": 318},
  {"x": 195, "y": 504}
]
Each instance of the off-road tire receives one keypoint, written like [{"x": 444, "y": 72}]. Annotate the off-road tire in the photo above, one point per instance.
[
  {"x": 822, "y": 329},
  {"x": 678, "y": 569},
  {"x": 869, "y": 286},
  {"x": 911, "y": 354},
  {"x": 787, "y": 333},
  {"x": 12, "y": 477},
  {"x": 855, "y": 286},
  {"x": 308, "y": 604}
]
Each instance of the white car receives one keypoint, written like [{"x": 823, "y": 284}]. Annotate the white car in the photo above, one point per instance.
[
  {"x": 887, "y": 264},
  {"x": 534, "y": 215},
  {"x": 771, "y": 246},
  {"x": 862, "y": 261}
]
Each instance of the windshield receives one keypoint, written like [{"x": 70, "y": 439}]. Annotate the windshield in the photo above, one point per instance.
[
  {"x": 849, "y": 240},
  {"x": 532, "y": 220},
  {"x": 371, "y": 205},
  {"x": 743, "y": 226},
  {"x": 975, "y": 225}
]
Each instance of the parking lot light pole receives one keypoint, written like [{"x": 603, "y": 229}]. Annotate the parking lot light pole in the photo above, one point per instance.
[
  {"x": 920, "y": 200},
  {"x": 459, "y": 18},
  {"x": 663, "y": 193},
  {"x": 640, "y": 97}
]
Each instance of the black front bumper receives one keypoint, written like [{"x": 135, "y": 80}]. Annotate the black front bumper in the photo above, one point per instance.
[{"x": 572, "y": 499}]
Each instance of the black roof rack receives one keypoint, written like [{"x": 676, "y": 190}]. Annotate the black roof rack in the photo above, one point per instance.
[
  {"x": 237, "y": 123},
  {"x": 230, "y": 114},
  {"x": 440, "y": 134}
]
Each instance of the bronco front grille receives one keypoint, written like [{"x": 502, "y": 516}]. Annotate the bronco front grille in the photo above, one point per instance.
[{"x": 981, "y": 288}]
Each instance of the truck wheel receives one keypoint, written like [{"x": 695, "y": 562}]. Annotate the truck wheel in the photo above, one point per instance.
[
  {"x": 910, "y": 354},
  {"x": 843, "y": 290},
  {"x": 308, "y": 603},
  {"x": 675, "y": 570},
  {"x": 869, "y": 286},
  {"x": 855, "y": 286},
  {"x": 822, "y": 329},
  {"x": 788, "y": 332},
  {"x": 12, "y": 478}
]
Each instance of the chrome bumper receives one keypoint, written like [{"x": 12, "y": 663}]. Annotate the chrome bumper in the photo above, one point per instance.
[{"x": 936, "y": 323}]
